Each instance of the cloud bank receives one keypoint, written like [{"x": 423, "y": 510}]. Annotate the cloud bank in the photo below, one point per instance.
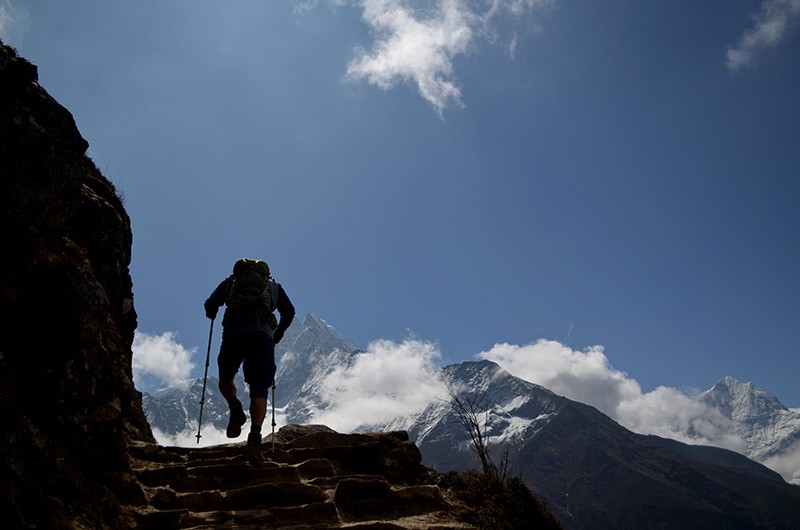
[
  {"x": 776, "y": 21},
  {"x": 391, "y": 381},
  {"x": 787, "y": 464},
  {"x": 388, "y": 381},
  {"x": 210, "y": 435},
  {"x": 160, "y": 360},
  {"x": 418, "y": 45},
  {"x": 588, "y": 377}
]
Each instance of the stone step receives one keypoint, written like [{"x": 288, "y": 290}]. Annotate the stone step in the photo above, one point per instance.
[
  {"x": 156, "y": 453},
  {"x": 162, "y": 519},
  {"x": 226, "y": 477},
  {"x": 268, "y": 496},
  {"x": 261, "y": 495},
  {"x": 319, "y": 481},
  {"x": 333, "y": 481},
  {"x": 360, "y": 499},
  {"x": 161, "y": 476},
  {"x": 306, "y": 515},
  {"x": 346, "y": 453},
  {"x": 315, "y": 468}
]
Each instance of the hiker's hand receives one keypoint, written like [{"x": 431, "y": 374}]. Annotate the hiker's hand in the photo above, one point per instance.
[
  {"x": 277, "y": 336},
  {"x": 211, "y": 312}
]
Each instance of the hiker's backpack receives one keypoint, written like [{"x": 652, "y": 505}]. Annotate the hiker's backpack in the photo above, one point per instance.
[{"x": 251, "y": 297}]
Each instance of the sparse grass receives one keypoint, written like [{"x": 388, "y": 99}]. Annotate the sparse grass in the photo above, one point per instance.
[
  {"x": 498, "y": 505},
  {"x": 500, "y": 500}
]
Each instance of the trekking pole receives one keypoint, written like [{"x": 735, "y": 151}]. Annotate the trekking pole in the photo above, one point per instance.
[
  {"x": 205, "y": 378},
  {"x": 273, "y": 417}
]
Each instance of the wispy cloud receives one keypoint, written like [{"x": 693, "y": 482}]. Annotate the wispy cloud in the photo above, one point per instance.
[
  {"x": 160, "y": 359},
  {"x": 388, "y": 381},
  {"x": 416, "y": 50},
  {"x": 417, "y": 46},
  {"x": 776, "y": 21},
  {"x": 12, "y": 22},
  {"x": 587, "y": 376}
]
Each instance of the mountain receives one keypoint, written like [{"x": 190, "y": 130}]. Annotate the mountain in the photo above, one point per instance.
[
  {"x": 594, "y": 473},
  {"x": 519, "y": 411},
  {"x": 309, "y": 351},
  {"x": 770, "y": 430},
  {"x": 591, "y": 471}
]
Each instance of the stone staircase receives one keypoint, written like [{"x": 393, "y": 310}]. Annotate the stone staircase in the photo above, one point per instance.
[{"x": 310, "y": 477}]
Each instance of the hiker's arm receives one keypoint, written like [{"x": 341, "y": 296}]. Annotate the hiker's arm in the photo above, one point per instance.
[
  {"x": 217, "y": 298},
  {"x": 286, "y": 311}
]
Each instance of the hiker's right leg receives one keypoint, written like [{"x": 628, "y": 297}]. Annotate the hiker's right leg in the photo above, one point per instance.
[
  {"x": 259, "y": 372},
  {"x": 258, "y": 407}
]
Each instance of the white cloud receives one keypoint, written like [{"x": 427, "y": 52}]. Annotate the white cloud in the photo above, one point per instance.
[
  {"x": 12, "y": 23},
  {"x": 160, "y": 357},
  {"x": 774, "y": 23},
  {"x": 414, "y": 50},
  {"x": 210, "y": 435},
  {"x": 418, "y": 46},
  {"x": 588, "y": 377},
  {"x": 787, "y": 463},
  {"x": 387, "y": 381}
]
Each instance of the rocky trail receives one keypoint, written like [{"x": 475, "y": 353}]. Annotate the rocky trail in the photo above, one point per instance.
[{"x": 315, "y": 478}]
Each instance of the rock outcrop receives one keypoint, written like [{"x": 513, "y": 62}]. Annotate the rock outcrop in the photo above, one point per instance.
[
  {"x": 68, "y": 406},
  {"x": 77, "y": 451},
  {"x": 311, "y": 477}
]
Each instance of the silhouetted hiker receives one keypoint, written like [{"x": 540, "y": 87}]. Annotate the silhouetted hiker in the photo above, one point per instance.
[{"x": 249, "y": 334}]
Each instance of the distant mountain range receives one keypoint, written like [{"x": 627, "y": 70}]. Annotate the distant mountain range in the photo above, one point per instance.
[{"x": 592, "y": 472}]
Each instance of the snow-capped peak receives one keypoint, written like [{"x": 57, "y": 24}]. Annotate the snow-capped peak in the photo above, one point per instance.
[{"x": 741, "y": 401}]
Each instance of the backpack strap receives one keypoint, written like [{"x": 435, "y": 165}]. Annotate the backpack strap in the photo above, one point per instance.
[{"x": 274, "y": 292}]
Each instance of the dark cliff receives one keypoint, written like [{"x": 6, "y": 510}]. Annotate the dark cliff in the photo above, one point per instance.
[{"x": 68, "y": 406}]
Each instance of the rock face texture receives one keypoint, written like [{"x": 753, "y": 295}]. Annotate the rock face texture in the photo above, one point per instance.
[
  {"x": 314, "y": 478},
  {"x": 68, "y": 406},
  {"x": 76, "y": 448}
]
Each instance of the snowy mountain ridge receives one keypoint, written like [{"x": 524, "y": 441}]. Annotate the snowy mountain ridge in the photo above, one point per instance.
[
  {"x": 591, "y": 470},
  {"x": 312, "y": 350}
]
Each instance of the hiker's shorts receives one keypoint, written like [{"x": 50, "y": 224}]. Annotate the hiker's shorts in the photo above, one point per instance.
[{"x": 255, "y": 349}]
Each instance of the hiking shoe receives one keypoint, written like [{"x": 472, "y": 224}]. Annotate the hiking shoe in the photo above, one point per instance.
[
  {"x": 235, "y": 423},
  {"x": 254, "y": 439},
  {"x": 254, "y": 446}
]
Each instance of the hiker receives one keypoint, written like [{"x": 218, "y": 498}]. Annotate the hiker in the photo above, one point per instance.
[{"x": 249, "y": 334}]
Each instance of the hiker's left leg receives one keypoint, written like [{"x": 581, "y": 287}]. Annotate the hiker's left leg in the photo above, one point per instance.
[
  {"x": 227, "y": 388},
  {"x": 229, "y": 360}
]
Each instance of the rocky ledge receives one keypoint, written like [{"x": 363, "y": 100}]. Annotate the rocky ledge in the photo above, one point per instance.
[{"x": 308, "y": 477}]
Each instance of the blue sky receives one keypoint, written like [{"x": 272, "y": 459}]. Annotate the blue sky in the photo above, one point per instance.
[{"x": 620, "y": 174}]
